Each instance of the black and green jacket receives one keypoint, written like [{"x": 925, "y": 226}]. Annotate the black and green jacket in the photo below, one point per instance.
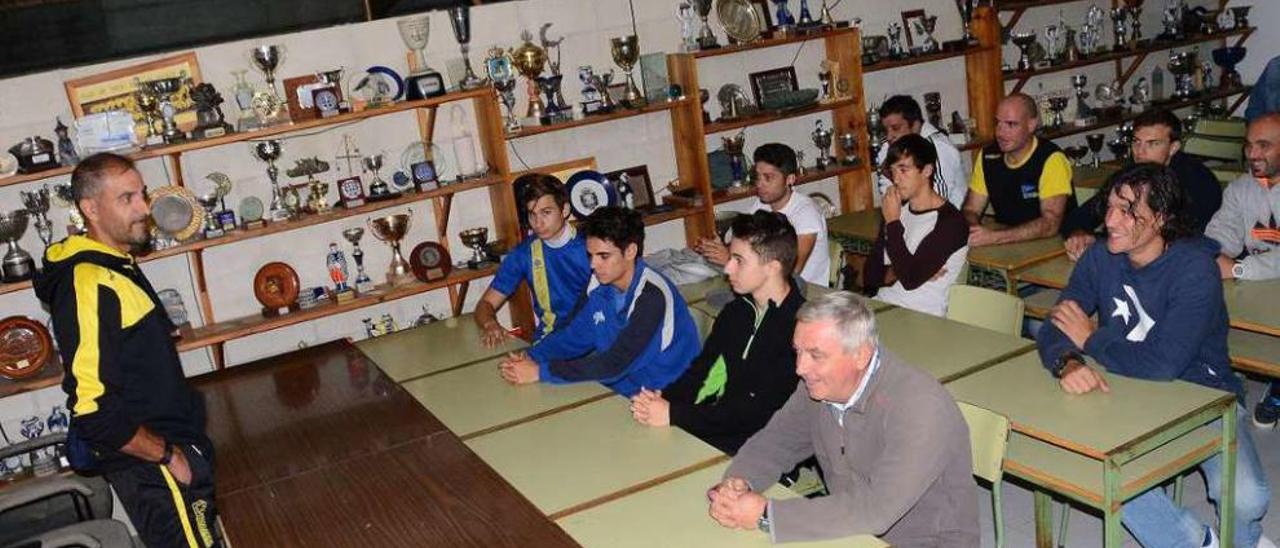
[
  {"x": 122, "y": 368},
  {"x": 746, "y": 371}
]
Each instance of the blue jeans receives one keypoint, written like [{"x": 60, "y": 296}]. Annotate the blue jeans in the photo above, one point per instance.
[{"x": 1156, "y": 522}]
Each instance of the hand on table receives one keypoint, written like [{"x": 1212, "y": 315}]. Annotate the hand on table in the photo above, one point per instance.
[
  {"x": 493, "y": 335},
  {"x": 1078, "y": 378},
  {"x": 980, "y": 235},
  {"x": 733, "y": 505},
  {"x": 649, "y": 408},
  {"x": 518, "y": 368}
]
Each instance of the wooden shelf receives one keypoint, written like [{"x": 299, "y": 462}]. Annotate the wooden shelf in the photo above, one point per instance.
[
  {"x": 1152, "y": 47},
  {"x": 771, "y": 42},
  {"x": 920, "y": 59},
  {"x": 766, "y": 117},
  {"x": 222, "y": 332},
  {"x": 16, "y": 286},
  {"x": 179, "y": 148},
  {"x": 621, "y": 112},
  {"x": 51, "y": 375},
  {"x": 723, "y": 196},
  {"x": 1018, "y": 5}
]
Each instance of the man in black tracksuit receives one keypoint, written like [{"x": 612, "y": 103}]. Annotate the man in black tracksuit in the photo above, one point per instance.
[
  {"x": 134, "y": 417},
  {"x": 746, "y": 370}
]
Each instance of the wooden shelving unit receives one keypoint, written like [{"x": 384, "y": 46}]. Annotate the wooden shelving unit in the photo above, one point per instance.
[
  {"x": 922, "y": 59},
  {"x": 620, "y": 113},
  {"x": 51, "y": 375},
  {"x": 726, "y": 195},
  {"x": 768, "y": 117}
]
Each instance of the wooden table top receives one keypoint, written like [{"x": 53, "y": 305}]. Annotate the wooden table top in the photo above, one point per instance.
[{"x": 321, "y": 448}]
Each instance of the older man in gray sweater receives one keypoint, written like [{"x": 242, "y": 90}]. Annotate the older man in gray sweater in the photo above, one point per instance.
[{"x": 890, "y": 439}]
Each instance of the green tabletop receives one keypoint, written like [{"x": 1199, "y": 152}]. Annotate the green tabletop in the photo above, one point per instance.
[
  {"x": 1054, "y": 273},
  {"x": 1093, "y": 177},
  {"x": 1254, "y": 305},
  {"x": 674, "y": 513},
  {"x": 965, "y": 348},
  {"x": 1016, "y": 256},
  {"x": 578, "y": 457},
  {"x": 474, "y": 399},
  {"x": 412, "y": 353},
  {"x": 859, "y": 225}
]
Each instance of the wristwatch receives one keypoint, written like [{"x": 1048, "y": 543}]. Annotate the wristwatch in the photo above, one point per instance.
[
  {"x": 764, "y": 523},
  {"x": 1061, "y": 365},
  {"x": 1237, "y": 270}
]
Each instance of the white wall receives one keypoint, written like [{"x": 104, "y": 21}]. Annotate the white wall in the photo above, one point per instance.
[{"x": 29, "y": 103}]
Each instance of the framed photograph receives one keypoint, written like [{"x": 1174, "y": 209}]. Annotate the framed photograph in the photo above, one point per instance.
[
  {"x": 297, "y": 94},
  {"x": 766, "y": 84},
  {"x": 912, "y": 26},
  {"x": 641, "y": 187},
  {"x": 114, "y": 90},
  {"x": 764, "y": 16}
]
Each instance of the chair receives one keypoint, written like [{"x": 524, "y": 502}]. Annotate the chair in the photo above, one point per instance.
[
  {"x": 56, "y": 510},
  {"x": 985, "y": 308},
  {"x": 988, "y": 438}
]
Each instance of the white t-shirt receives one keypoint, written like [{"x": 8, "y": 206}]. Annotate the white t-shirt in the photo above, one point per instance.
[
  {"x": 930, "y": 298},
  {"x": 954, "y": 180},
  {"x": 806, "y": 217}
]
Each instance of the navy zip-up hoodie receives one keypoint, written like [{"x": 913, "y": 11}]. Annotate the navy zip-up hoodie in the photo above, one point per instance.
[{"x": 1162, "y": 322}]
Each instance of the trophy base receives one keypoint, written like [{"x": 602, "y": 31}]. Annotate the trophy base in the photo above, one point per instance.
[
  {"x": 18, "y": 269},
  {"x": 344, "y": 296},
  {"x": 211, "y": 234},
  {"x": 280, "y": 215},
  {"x": 253, "y": 225},
  {"x": 364, "y": 286},
  {"x": 211, "y": 131},
  {"x": 425, "y": 85},
  {"x": 153, "y": 140},
  {"x": 550, "y": 117}
]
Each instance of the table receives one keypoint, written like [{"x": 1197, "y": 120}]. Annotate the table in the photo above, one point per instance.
[
  {"x": 453, "y": 342},
  {"x": 967, "y": 348},
  {"x": 1254, "y": 305},
  {"x": 1088, "y": 176},
  {"x": 473, "y": 400},
  {"x": 989, "y": 266},
  {"x": 582, "y": 457},
  {"x": 1154, "y": 431},
  {"x": 321, "y": 448},
  {"x": 675, "y": 514}
]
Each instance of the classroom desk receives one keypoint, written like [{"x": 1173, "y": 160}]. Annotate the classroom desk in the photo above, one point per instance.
[
  {"x": 579, "y": 458},
  {"x": 474, "y": 400},
  {"x": 675, "y": 514},
  {"x": 411, "y": 353},
  {"x": 1102, "y": 449},
  {"x": 1087, "y": 176},
  {"x": 967, "y": 348},
  {"x": 1254, "y": 305},
  {"x": 320, "y": 448},
  {"x": 989, "y": 266}
]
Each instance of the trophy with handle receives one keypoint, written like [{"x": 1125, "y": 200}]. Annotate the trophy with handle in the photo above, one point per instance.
[
  {"x": 391, "y": 229},
  {"x": 498, "y": 67},
  {"x": 269, "y": 151},
  {"x": 530, "y": 59},
  {"x": 37, "y": 204},
  {"x": 626, "y": 53},
  {"x": 363, "y": 282}
]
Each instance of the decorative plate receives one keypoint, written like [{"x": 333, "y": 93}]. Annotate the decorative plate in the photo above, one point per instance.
[
  {"x": 25, "y": 347},
  {"x": 378, "y": 85},
  {"x": 430, "y": 261},
  {"x": 251, "y": 209},
  {"x": 176, "y": 212},
  {"x": 588, "y": 191},
  {"x": 740, "y": 19},
  {"x": 414, "y": 153},
  {"x": 276, "y": 286}
]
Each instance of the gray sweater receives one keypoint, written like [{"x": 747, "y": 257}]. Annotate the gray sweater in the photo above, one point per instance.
[
  {"x": 1246, "y": 224},
  {"x": 899, "y": 468}
]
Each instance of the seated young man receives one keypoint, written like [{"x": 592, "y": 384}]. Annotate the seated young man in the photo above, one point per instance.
[
  {"x": 776, "y": 171},
  {"x": 901, "y": 115},
  {"x": 746, "y": 370},
  {"x": 1154, "y": 286},
  {"x": 553, "y": 261},
  {"x": 631, "y": 330},
  {"x": 921, "y": 248}
]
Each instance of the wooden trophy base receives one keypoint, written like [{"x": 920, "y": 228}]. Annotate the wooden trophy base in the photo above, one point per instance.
[{"x": 344, "y": 296}]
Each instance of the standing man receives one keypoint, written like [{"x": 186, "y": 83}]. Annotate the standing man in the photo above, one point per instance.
[
  {"x": 892, "y": 444},
  {"x": 1157, "y": 139},
  {"x": 923, "y": 243},
  {"x": 901, "y": 115},
  {"x": 134, "y": 418},
  {"x": 631, "y": 329},
  {"x": 1027, "y": 181},
  {"x": 1155, "y": 290},
  {"x": 776, "y": 168},
  {"x": 746, "y": 370},
  {"x": 553, "y": 261},
  {"x": 1246, "y": 228}
]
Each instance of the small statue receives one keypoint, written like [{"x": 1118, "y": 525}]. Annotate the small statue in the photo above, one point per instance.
[
  {"x": 67, "y": 155},
  {"x": 210, "y": 121},
  {"x": 337, "y": 265}
]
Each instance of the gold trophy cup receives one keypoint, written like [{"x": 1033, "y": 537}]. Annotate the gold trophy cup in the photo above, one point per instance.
[
  {"x": 391, "y": 229},
  {"x": 529, "y": 59}
]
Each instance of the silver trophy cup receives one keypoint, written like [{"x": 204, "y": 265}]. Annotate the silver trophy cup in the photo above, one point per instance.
[{"x": 17, "y": 265}]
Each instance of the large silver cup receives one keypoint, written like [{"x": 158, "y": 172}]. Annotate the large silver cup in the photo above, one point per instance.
[
  {"x": 391, "y": 229},
  {"x": 267, "y": 59},
  {"x": 476, "y": 239},
  {"x": 17, "y": 264},
  {"x": 626, "y": 53},
  {"x": 269, "y": 151},
  {"x": 165, "y": 89}
]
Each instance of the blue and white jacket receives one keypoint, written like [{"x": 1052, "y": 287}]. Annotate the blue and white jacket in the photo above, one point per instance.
[{"x": 644, "y": 338}]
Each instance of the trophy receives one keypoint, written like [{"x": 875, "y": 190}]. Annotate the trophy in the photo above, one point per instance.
[
  {"x": 378, "y": 189},
  {"x": 211, "y": 227},
  {"x": 309, "y": 167},
  {"x": 926, "y": 25},
  {"x": 688, "y": 26},
  {"x": 1025, "y": 40},
  {"x": 267, "y": 106},
  {"x": 67, "y": 155},
  {"x": 1076, "y": 154},
  {"x": 896, "y": 50},
  {"x": 476, "y": 239},
  {"x": 61, "y": 196},
  {"x": 270, "y": 151},
  {"x": 1072, "y": 53},
  {"x": 1135, "y": 17},
  {"x": 363, "y": 282},
  {"x": 555, "y": 99},
  {"x": 733, "y": 146},
  {"x": 336, "y": 263},
  {"x": 498, "y": 67},
  {"x": 423, "y": 81},
  {"x": 1120, "y": 150},
  {"x": 460, "y": 20},
  {"x": 164, "y": 89},
  {"x": 210, "y": 122},
  {"x": 391, "y": 229},
  {"x": 1095, "y": 142},
  {"x": 1057, "y": 104},
  {"x": 1240, "y": 16},
  {"x": 1084, "y": 112},
  {"x": 626, "y": 53},
  {"x": 966, "y": 8},
  {"x": 1228, "y": 58},
  {"x": 221, "y": 188},
  {"x": 149, "y": 105},
  {"x": 1141, "y": 96},
  {"x": 849, "y": 144},
  {"x": 822, "y": 139},
  {"x": 1182, "y": 65},
  {"x": 529, "y": 60},
  {"x": 933, "y": 108},
  {"x": 243, "y": 92},
  {"x": 592, "y": 95},
  {"x": 706, "y": 38},
  {"x": 1120, "y": 28},
  {"x": 37, "y": 204},
  {"x": 1052, "y": 36},
  {"x": 783, "y": 15},
  {"x": 1092, "y": 29},
  {"x": 17, "y": 264}
]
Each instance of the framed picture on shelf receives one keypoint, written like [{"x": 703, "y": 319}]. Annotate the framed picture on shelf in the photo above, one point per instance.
[
  {"x": 297, "y": 94},
  {"x": 769, "y": 83},
  {"x": 913, "y": 27},
  {"x": 641, "y": 187},
  {"x": 114, "y": 90}
]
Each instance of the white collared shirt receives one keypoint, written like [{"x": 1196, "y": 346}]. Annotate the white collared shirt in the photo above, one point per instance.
[{"x": 841, "y": 408}]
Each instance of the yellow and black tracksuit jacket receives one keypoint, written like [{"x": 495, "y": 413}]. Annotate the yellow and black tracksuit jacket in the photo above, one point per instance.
[{"x": 115, "y": 339}]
